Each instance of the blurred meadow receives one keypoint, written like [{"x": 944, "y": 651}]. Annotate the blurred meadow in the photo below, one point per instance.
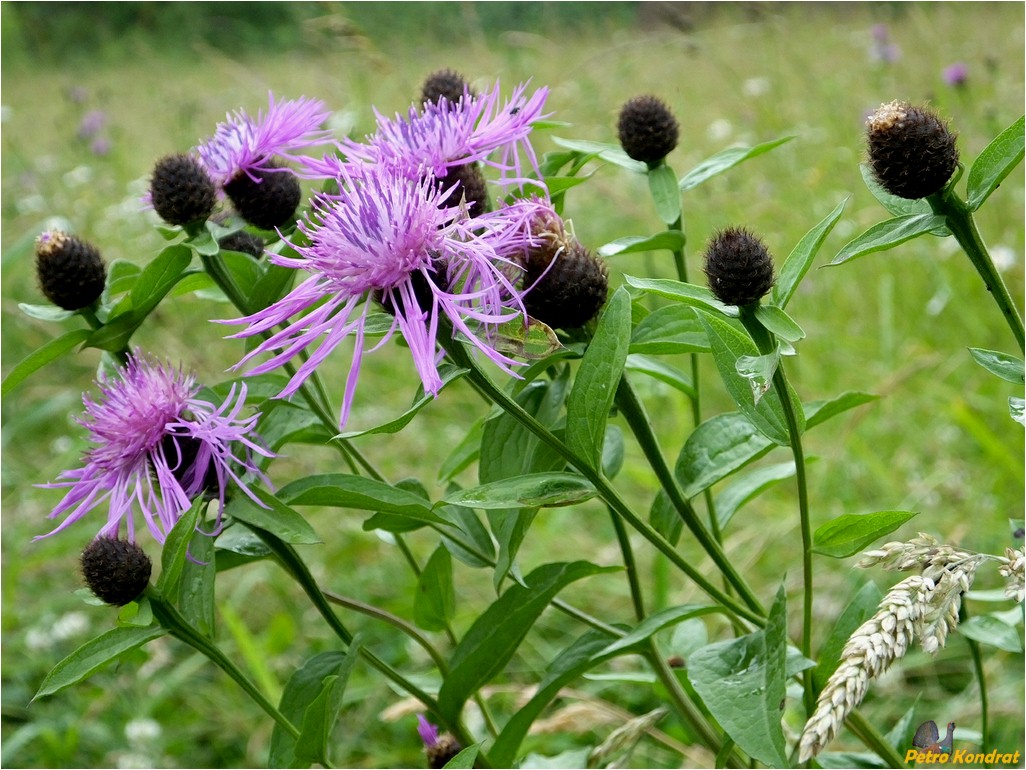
[{"x": 94, "y": 93}]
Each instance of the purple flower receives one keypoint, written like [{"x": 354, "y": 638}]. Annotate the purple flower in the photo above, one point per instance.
[
  {"x": 475, "y": 128},
  {"x": 428, "y": 732},
  {"x": 883, "y": 50},
  {"x": 956, "y": 75},
  {"x": 157, "y": 447},
  {"x": 100, "y": 146},
  {"x": 91, "y": 124},
  {"x": 390, "y": 236},
  {"x": 249, "y": 145}
]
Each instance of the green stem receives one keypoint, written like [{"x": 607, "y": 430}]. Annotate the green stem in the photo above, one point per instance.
[
  {"x": 962, "y": 225},
  {"x": 872, "y": 738},
  {"x": 634, "y": 412},
  {"x": 637, "y": 598},
  {"x": 602, "y": 486},
  {"x": 89, "y": 314},
  {"x": 181, "y": 629},
  {"x": 974, "y": 651},
  {"x": 766, "y": 344}
]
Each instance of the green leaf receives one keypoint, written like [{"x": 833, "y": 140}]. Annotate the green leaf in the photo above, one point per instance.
[
  {"x": 447, "y": 372},
  {"x": 1017, "y": 409},
  {"x": 435, "y": 600},
  {"x": 158, "y": 277},
  {"x": 671, "y": 240},
  {"x": 465, "y": 759},
  {"x": 888, "y": 234},
  {"x": 1008, "y": 368},
  {"x": 728, "y": 345},
  {"x": 196, "y": 589},
  {"x": 662, "y": 183},
  {"x": 534, "y": 490},
  {"x": 741, "y": 682},
  {"x": 342, "y": 490},
  {"x": 46, "y": 312},
  {"x": 37, "y": 359},
  {"x": 466, "y": 522},
  {"x": 995, "y": 163},
  {"x": 321, "y": 715},
  {"x": 718, "y": 447},
  {"x": 273, "y": 516},
  {"x": 665, "y": 373},
  {"x": 669, "y": 330},
  {"x": 588, "y": 404},
  {"x": 272, "y": 286},
  {"x": 850, "y": 533},
  {"x": 725, "y": 160},
  {"x": 611, "y": 153},
  {"x": 779, "y": 322},
  {"x": 857, "y": 611},
  {"x": 895, "y": 205},
  {"x": 301, "y": 691},
  {"x": 745, "y": 489},
  {"x": 534, "y": 341},
  {"x": 176, "y": 549},
  {"x": 989, "y": 629},
  {"x": 817, "y": 412},
  {"x": 688, "y": 293},
  {"x": 494, "y": 637},
  {"x": 94, "y": 655},
  {"x": 759, "y": 371},
  {"x": 655, "y": 623},
  {"x": 243, "y": 268}
]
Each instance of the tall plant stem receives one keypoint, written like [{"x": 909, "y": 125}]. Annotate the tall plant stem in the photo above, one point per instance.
[
  {"x": 632, "y": 409},
  {"x": 871, "y": 737},
  {"x": 764, "y": 340},
  {"x": 602, "y": 486},
  {"x": 974, "y": 651},
  {"x": 960, "y": 221},
  {"x": 171, "y": 619}
]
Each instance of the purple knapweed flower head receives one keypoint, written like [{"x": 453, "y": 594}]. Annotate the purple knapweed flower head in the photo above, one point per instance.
[
  {"x": 439, "y": 748},
  {"x": 427, "y": 731},
  {"x": 481, "y": 127},
  {"x": 389, "y": 235},
  {"x": 883, "y": 50},
  {"x": 956, "y": 75},
  {"x": 91, "y": 124},
  {"x": 252, "y": 146},
  {"x": 157, "y": 446}
]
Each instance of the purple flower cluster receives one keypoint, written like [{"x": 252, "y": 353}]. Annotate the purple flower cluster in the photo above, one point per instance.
[
  {"x": 395, "y": 235},
  {"x": 157, "y": 447}
]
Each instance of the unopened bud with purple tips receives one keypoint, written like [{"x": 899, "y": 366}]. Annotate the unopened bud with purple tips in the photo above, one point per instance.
[{"x": 440, "y": 748}]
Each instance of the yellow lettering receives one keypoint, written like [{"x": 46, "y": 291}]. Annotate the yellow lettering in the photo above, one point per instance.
[{"x": 911, "y": 755}]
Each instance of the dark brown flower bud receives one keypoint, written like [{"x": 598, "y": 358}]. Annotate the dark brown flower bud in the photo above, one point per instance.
[
  {"x": 117, "y": 571},
  {"x": 567, "y": 289},
  {"x": 739, "y": 267},
  {"x": 444, "y": 749},
  {"x": 648, "y": 130},
  {"x": 470, "y": 182},
  {"x": 71, "y": 272},
  {"x": 269, "y": 200},
  {"x": 242, "y": 241},
  {"x": 444, "y": 83},
  {"x": 181, "y": 190},
  {"x": 911, "y": 150}
]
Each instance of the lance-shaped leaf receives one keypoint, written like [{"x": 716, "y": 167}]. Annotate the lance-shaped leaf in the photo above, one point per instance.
[
  {"x": 446, "y": 372},
  {"x": 995, "y": 163},
  {"x": 343, "y": 490},
  {"x": 668, "y": 330},
  {"x": 435, "y": 601},
  {"x": 274, "y": 516},
  {"x": 533, "y": 490},
  {"x": 888, "y": 234},
  {"x": 662, "y": 183},
  {"x": 176, "y": 549},
  {"x": 670, "y": 240},
  {"x": 725, "y": 160},
  {"x": 1008, "y": 368},
  {"x": 588, "y": 404},
  {"x": 779, "y": 322},
  {"x": 494, "y": 637},
  {"x": 51, "y": 351},
  {"x": 611, "y": 153},
  {"x": 94, "y": 655},
  {"x": 850, "y": 533},
  {"x": 993, "y": 630},
  {"x": 688, "y": 293}
]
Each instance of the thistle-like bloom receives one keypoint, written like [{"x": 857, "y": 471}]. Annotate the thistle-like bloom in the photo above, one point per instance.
[
  {"x": 440, "y": 748},
  {"x": 476, "y": 128},
  {"x": 389, "y": 236},
  {"x": 157, "y": 447},
  {"x": 250, "y": 145}
]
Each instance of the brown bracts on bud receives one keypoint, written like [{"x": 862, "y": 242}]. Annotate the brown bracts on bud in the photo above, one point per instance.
[
  {"x": 267, "y": 201},
  {"x": 648, "y": 130},
  {"x": 117, "y": 571},
  {"x": 739, "y": 268},
  {"x": 912, "y": 152},
  {"x": 470, "y": 184},
  {"x": 242, "y": 241},
  {"x": 447, "y": 84},
  {"x": 71, "y": 272},
  {"x": 181, "y": 190},
  {"x": 565, "y": 287}
]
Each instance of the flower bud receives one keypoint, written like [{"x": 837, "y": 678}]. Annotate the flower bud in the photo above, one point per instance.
[
  {"x": 470, "y": 182},
  {"x": 266, "y": 200},
  {"x": 648, "y": 130},
  {"x": 567, "y": 289},
  {"x": 739, "y": 267},
  {"x": 440, "y": 748},
  {"x": 911, "y": 151},
  {"x": 444, "y": 83},
  {"x": 71, "y": 273},
  {"x": 181, "y": 190},
  {"x": 245, "y": 242},
  {"x": 117, "y": 571}
]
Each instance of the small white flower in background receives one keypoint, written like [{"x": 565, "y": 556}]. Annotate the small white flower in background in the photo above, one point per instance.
[
  {"x": 1014, "y": 573},
  {"x": 142, "y": 730},
  {"x": 756, "y": 86},
  {"x": 719, "y": 130},
  {"x": 1004, "y": 257},
  {"x": 78, "y": 176},
  {"x": 48, "y": 634}
]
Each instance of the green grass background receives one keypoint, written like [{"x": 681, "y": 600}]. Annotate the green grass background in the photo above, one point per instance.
[{"x": 896, "y": 324}]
